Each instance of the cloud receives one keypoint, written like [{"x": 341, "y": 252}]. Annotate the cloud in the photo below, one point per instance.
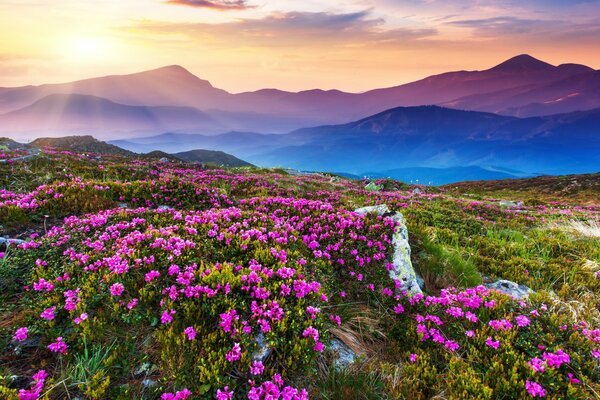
[
  {"x": 500, "y": 25},
  {"x": 221, "y": 5},
  {"x": 533, "y": 31},
  {"x": 294, "y": 29}
]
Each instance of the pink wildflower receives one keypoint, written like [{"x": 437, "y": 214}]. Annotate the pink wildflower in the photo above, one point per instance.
[
  {"x": 491, "y": 343},
  {"x": 59, "y": 346},
  {"x": 117, "y": 289},
  {"x": 190, "y": 332},
  {"x": 48, "y": 313},
  {"x": 534, "y": 389},
  {"x": 257, "y": 368},
  {"x": 224, "y": 394},
  {"x": 21, "y": 334}
]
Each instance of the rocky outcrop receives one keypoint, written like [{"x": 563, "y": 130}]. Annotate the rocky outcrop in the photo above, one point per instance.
[
  {"x": 402, "y": 269},
  {"x": 510, "y": 288}
]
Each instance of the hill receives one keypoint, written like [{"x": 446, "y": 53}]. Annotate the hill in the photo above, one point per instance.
[
  {"x": 212, "y": 157},
  {"x": 80, "y": 144},
  {"x": 580, "y": 189}
]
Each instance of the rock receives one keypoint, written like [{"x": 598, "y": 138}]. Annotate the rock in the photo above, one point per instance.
[
  {"x": 372, "y": 186},
  {"x": 264, "y": 350},
  {"x": 416, "y": 191},
  {"x": 7, "y": 242},
  {"x": 164, "y": 160},
  {"x": 343, "y": 355},
  {"x": 508, "y": 203},
  {"x": 403, "y": 269},
  {"x": 163, "y": 207},
  {"x": 148, "y": 383},
  {"x": 510, "y": 288},
  {"x": 123, "y": 205}
]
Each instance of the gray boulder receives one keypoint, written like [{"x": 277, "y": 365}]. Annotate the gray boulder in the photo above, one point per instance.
[
  {"x": 510, "y": 288},
  {"x": 343, "y": 354}
]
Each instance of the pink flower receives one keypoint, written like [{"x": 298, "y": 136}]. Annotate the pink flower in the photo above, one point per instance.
[
  {"x": 318, "y": 347},
  {"x": 534, "y": 389},
  {"x": 131, "y": 305},
  {"x": 58, "y": 346},
  {"x": 150, "y": 276},
  {"x": 413, "y": 357},
  {"x": 34, "y": 393},
  {"x": 167, "y": 316},
  {"x": 235, "y": 353},
  {"x": 452, "y": 345},
  {"x": 398, "y": 309},
  {"x": 117, "y": 289},
  {"x": 48, "y": 313},
  {"x": 572, "y": 380},
  {"x": 224, "y": 394},
  {"x": 470, "y": 333},
  {"x": 522, "y": 320},
  {"x": 21, "y": 334},
  {"x": 180, "y": 395},
  {"x": 537, "y": 364},
  {"x": 494, "y": 344},
  {"x": 80, "y": 319},
  {"x": 257, "y": 368},
  {"x": 190, "y": 332}
]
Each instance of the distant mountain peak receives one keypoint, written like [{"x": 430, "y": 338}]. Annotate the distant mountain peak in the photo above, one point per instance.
[{"x": 522, "y": 62}]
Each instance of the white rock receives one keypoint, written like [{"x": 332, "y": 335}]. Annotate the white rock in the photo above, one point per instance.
[{"x": 403, "y": 269}]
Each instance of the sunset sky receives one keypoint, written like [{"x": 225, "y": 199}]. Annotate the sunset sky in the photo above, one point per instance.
[{"x": 241, "y": 45}]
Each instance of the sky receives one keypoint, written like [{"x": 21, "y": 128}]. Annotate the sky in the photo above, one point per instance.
[{"x": 241, "y": 45}]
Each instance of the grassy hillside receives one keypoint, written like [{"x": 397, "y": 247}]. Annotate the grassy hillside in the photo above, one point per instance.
[
  {"x": 579, "y": 189},
  {"x": 145, "y": 280},
  {"x": 81, "y": 144}
]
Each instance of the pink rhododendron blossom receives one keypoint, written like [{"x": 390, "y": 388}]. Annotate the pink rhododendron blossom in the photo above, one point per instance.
[
  {"x": 116, "y": 289},
  {"x": 535, "y": 389},
  {"x": 21, "y": 334},
  {"x": 59, "y": 346}
]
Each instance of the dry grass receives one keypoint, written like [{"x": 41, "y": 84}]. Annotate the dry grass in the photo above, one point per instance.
[{"x": 583, "y": 228}]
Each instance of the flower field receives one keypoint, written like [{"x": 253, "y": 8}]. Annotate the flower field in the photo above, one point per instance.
[{"x": 138, "y": 279}]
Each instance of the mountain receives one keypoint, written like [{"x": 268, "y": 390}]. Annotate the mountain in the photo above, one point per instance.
[
  {"x": 167, "y": 86},
  {"x": 408, "y": 137},
  {"x": 80, "y": 144},
  {"x": 577, "y": 92},
  {"x": 520, "y": 86},
  {"x": 212, "y": 157},
  {"x": 76, "y": 113}
]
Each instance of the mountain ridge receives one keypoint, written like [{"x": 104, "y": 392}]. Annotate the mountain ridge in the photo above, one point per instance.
[{"x": 499, "y": 89}]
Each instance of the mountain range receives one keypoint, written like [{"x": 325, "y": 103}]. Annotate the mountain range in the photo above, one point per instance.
[
  {"x": 171, "y": 99},
  {"x": 522, "y": 117},
  {"x": 388, "y": 143}
]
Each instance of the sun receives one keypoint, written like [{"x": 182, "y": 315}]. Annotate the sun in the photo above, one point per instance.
[{"x": 87, "y": 48}]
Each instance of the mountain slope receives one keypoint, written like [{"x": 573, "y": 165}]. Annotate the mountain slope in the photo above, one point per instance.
[
  {"x": 81, "y": 144},
  {"x": 167, "y": 86},
  {"x": 61, "y": 113},
  {"x": 212, "y": 157}
]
